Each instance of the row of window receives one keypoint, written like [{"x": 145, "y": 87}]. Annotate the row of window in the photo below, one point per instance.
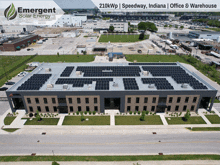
[
  {"x": 62, "y": 100},
  {"x": 168, "y": 108},
  {"x": 79, "y": 108},
  {"x": 155, "y": 99}
]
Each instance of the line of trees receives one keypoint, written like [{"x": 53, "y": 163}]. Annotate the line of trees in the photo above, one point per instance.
[
  {"x": 208, "y": 22},
  {"x": 147, "y": 26}
]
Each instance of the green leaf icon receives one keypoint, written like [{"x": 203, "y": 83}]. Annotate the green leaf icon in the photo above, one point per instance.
[{"x": 10, "y": 13}]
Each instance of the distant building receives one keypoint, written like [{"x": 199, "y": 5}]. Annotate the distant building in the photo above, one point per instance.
[
  {"x": 69, "y": 20},
  {"x": 70, "y": 34},
  {"x": 81, "y": 48},
  {"x": 204, "y": 35},
  {"x": 18, "y": 28}
]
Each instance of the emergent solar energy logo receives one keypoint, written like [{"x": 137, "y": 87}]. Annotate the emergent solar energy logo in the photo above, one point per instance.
[{"x": 10, "y": 13}]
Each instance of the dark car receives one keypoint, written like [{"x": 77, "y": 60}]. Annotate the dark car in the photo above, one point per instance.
[
  {"x": 3, "y": 89},
  {"x": 9, "y": 83}
]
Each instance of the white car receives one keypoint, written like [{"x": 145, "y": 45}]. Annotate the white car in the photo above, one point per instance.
[{"x": 22, "y": 74}]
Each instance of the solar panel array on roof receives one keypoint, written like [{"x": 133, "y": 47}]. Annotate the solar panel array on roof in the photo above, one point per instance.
[
  {"x": 101, "y": 83},
  {"x": 160, "y": 83},
  {"x": 67, "y": 71},
  {"x": 154, "y": 63},
  {"x": 130, "y": 84},
  {"x": 177, "y": 73},
  {"x": 35, "y": 82},
  {"x": 110, "y": 71}
]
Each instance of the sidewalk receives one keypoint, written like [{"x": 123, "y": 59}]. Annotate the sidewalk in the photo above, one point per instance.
[
  {"x": 216, "y": 112},
  {"x": 200, "y": 112},
  {"x": 62, "y": 116},
  {"x": 163, "y": 119},
  {"x": 18, "y": 122}
]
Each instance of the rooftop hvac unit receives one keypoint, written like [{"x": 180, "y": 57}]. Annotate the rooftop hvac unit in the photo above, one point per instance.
[
  {"x": 151, "y": 86},
  {"x": 65, "y": 86},
  {"x": 184, "y": 85},
  {"x": 115, "y": 84},
  {"x": 78, "y": 73},
  {"x": 50, "y": 85},
  {"x": 47, "y": 69},
  {"x": 145, "y": 73}
]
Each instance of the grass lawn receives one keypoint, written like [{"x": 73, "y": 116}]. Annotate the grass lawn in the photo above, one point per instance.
[
  {"x": 93, "y": 120},
  {"x": 155, "y": 58},
  {"x": 205, "y": 129},
  {"x": 10, "y": 129},
  {"x": 216, "y": 101},
  {"x": 45, "y": 121},
  {"x": 121, "y": 38},
  {"x": 9, "y": 120},
  {"x": 214, "y": 119},
  {"x": 135, "y": 120},
  {"x": 108, "y": 158},
  {"x": 179, "y": 120},
  {"x": 215, "y": 29}
]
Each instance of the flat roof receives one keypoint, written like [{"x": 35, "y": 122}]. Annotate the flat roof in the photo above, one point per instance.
[
  {"x": 20, "y": 39},
  {"x": 204, "y": 32},
  {"x": 111, "y": 77}
]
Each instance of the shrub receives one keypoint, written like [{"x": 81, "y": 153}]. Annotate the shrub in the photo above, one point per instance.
[
  {"x": 55, "y": 163},
  {"x": 31, "y": 115},
  {"x": 68, "y": 113},
  {"x": 180, "y": 113},
  {"x": 139, "y": 112},
  {"x": 187, "y": 116},
  {"x": 38, "y": 116},
  {"x": 94, "y": 112},
  {"x": 147, "y": 112},
  {"x": 82, "y": 117},
  {"x": 85, "y": 112},
  {"x": 142, "y": 118},
  {"x": 90, "y": 112},
  {"x": 130, "y": 112},
  {"x": 35, "y": 114},
  {"x": 77, "y": 112},
  {"x": 135, "y": 112}
]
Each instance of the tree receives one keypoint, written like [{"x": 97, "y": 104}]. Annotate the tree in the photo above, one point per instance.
[
  {"x": 82, "y": 117},
  {"x": 142, "y": 26},
  {"x": 187, "y": 115},
  {"x": 165, "y": 26},
  {"x": 142, "y": 118},
  {"x": 176, "y": 26},
  {"x": 84, "y": 52},
  {"x": 170, "y": 26},
  {"x": 111, "y": 28},
  {"x": 181, "y": 27},
  {"x": 141, "y": 36},
  {"x": 38, "y": 116}
]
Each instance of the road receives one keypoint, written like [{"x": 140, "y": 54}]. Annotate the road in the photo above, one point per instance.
[{"x": 110, "y": 144}]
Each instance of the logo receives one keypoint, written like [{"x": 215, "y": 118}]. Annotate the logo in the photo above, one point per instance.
[{"x": 10, "y": 13}]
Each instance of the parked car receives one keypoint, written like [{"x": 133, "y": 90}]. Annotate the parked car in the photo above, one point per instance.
[
  {"x": 3, "y": 89},
  {"x": 22, "y": 74},
  {"x": 9, "y": 83}
]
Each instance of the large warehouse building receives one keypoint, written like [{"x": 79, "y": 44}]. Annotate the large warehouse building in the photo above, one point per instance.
[{"x": 72, "y": 87}]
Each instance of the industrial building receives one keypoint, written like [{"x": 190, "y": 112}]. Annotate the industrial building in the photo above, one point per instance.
[
  {"x": 69, "y": 20},
  {"x": 18, "y": 43},
  {"x": 205, "y": 35},
  {"x": 18, "y": 28},
  {"x": 72, "y": 87}
]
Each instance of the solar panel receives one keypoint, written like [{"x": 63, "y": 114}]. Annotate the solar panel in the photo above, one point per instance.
[
  {"x": 110, "y": 71},
  {"x": 67, "y": 71},
  {"x": 130, "y": 84},
  {"x": 177, "y": 73},
  {"x": 160, "y": 83},
  {"x": 153, "y": 63},
  {"x": 35, "y": 82}
]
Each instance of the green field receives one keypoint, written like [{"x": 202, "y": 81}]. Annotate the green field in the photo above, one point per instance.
[
  {"x": 10, "y": 129},
  {"x": 9, "y": 120},
  {"x": 214, "y": 119},
  {"x": 155, "y": 58},
  {"x": 133, "y": 159},
  {"x": 93, "y": 120},
  {"x": 44, "y": 121},
  {"x": 205, "y": 129},
  {"x": 121, "y": 38},
  {"x": 135, "y": 120},
  {"x": 215, "y": 29},
  {"x": 179, "y": 120}
]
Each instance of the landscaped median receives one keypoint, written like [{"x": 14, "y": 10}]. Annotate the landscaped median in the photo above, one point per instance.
[
  {"x": 88, "y": 120},
  {"x": 44, "y": 121},
  {"x": 214, "y": 119},
  {"x": 180, "y": 120},
  {"x": 204, "y": 128}
]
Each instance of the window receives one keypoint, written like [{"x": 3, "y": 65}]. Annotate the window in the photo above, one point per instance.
[
  {"x": 136, "y": 108},
  {"x": 39, "y": 108},
  {"x": 154, "y": 100},
  {"x": 178, "y": 99},
  {"x": 78, "y": 100},
  {"x": 194, "y": 99},
  {"x": 29, "y": 100},
  {"x": 162, "y": 100},
  {"x": 79, "y": 108},
  {"x": 95, "y": 100},
  {"x": 47, "y": 109},
  {"x": 152, "y": 108},
  {"x": 184, "y": 108},
  {"x": 192, "y": 107},
  {"x": 137, "y": 99},
  {"x": 31, "y": 109},
  {"x": 61, "y": 100},
  {"x": 96, "y": 108},
  {"x": 145, "y": 100},
  {"x": 169, "y": 108},
  {"x": 186, "y": 99},
  {"x": 129, "y": 100},
  {"x": 145, "y": 108},
  {"x": 70, "y": 100},
  {"x": 55, "y": 109},
  {"x": 37, "y": 100},
  {"x": 71, "y": 109},
  {"x": 87, "y": 100},
  {"x": 128, "y": 108},
  {"x": 53, "y": 100},
  {"x": 87, "y": 108},
  {"x": 45, "y": 100},
  {"x": 177, "y": 108},
  {"x": 170, "y": 100}
]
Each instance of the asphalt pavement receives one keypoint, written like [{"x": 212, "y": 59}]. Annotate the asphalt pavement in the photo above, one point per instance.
[{"x": 140, "y": 144}]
